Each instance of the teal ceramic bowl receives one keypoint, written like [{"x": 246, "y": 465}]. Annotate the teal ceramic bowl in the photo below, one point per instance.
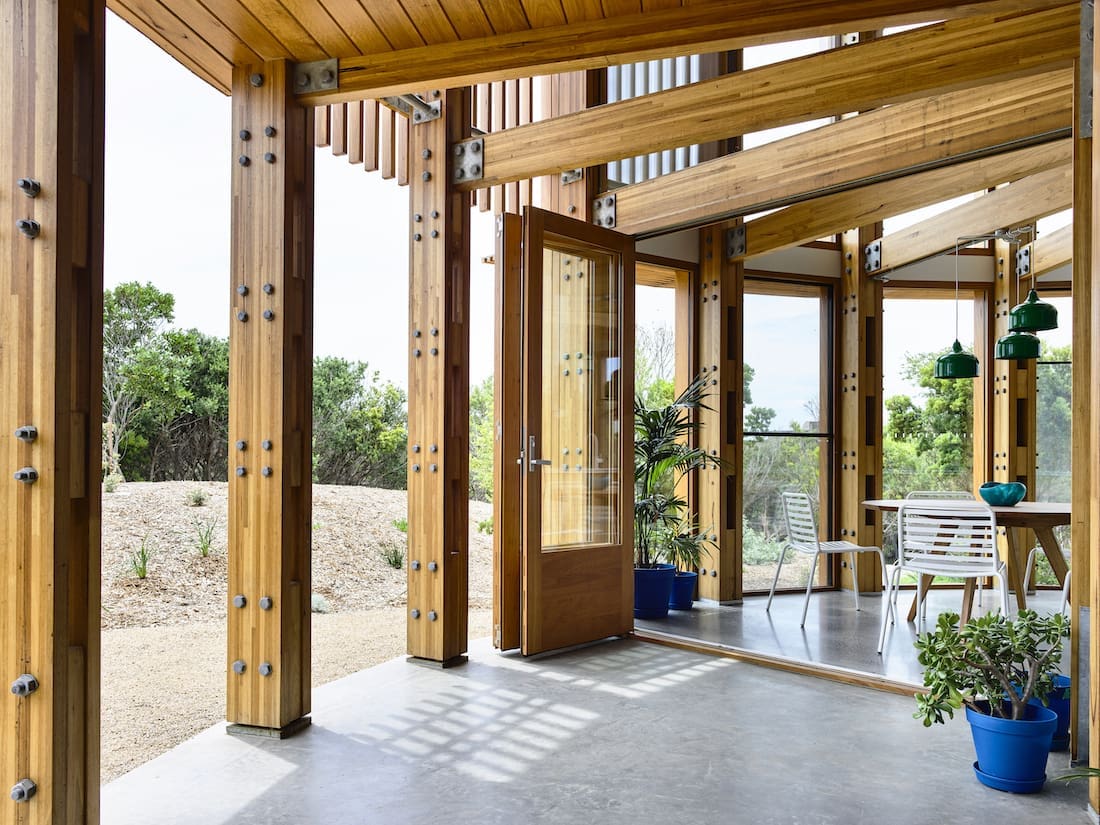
[{"x": 1002, "y": 493}]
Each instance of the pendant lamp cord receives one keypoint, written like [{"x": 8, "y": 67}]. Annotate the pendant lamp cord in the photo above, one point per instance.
[{"x": 957, "y": 289}]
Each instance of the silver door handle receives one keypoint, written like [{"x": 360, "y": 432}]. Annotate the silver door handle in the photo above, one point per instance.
[{"x": 541, "y": 462}]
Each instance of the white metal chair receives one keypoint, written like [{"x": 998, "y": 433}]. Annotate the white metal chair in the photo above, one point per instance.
[
  {"x": 802, "y": 537},
  {"x": 943, "y": 495},
  {"x": 1027, "y": 578},
  {"x": 944, "y": 538}
]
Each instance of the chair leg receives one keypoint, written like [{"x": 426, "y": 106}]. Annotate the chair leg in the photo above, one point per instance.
[
  {"x": 1065, "y": 593},
  {"x": 809, "y": 589},
  {"x": 855, "y": 578},
  {"x": 921, "y": 606},
  {"x": 885, "y": 582},
  {"x": 888, "y": 613},
  {"x": 775, "y": 581},
  {"x": 1002, "y": 580}
]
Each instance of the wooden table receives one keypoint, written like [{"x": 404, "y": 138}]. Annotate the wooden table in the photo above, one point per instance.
[{"x": 1040, "y": 516}]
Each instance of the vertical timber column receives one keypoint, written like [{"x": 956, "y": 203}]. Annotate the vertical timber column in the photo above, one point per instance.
[
  {"x": 270, "y": 405},
  {"x": 51, "y": 321},
  {"x": 1092, "y": 320},
  {"x": 719, "y": 310},
  {"x": 859, "y": 408},
  {"x": 1013, "y": 394},
  {"x": 439, "y": 388},
  {"x": 1081, "y": 459}
]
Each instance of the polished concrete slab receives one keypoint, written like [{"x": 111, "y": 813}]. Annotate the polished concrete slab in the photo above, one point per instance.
[
  {"x": 622, "y": 732},
  {"x": 836, "y": 634}
]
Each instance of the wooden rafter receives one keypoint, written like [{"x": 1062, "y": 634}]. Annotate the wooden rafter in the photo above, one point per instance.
[
  {"x": 826, "y": 215},
  {"x": 881, "y": 144},
  {"x": 936, "y": 59},
  {"x": 720, "y": 25},
  {"x": 1017, "y": 204},
  {"x": 1051, "y": 251}
]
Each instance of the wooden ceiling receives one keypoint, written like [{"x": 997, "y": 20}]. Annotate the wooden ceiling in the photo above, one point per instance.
[{"x": 499, "y": 38}]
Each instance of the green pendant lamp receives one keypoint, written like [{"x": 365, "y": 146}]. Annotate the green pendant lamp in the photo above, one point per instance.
[
  {"x": 1017, "y": 346},
  {"x": 956, "y": 364},
  {"x": 1032, "y": 315}
]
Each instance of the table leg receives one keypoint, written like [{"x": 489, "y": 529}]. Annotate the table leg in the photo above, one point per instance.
[
  {"x": 926, "y": 584},
  {"x": 969, "y": 588},
  {"x": 1015, "y": 564},
  {"x": 1049, "y": 542}
]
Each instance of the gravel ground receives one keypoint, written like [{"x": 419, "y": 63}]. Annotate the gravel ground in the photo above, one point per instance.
[{"x": 181, "y": 604}]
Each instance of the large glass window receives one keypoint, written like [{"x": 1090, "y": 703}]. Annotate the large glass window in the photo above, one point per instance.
[
  {"x": 1054, "y": 404},
  {"x": 787, "y": 419}
]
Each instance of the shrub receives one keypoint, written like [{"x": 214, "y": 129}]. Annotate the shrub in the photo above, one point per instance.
[
  {"x": 111, "y": 482},
  {"x": 486, "y": 526},
  {"x": 401, "y": 524},
  {"x": 197, "y": 498},
  {"x": 140, "y": 558},
  {"x": 205, "y": 531},
  {"x": 393, "y": 554}
]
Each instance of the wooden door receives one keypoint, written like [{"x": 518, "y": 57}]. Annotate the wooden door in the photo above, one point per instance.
[{"x": 577, "y": 433}]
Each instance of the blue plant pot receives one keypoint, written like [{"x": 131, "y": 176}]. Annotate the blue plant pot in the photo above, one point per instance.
[
  {"x": 1058, "y": 700},
  {"x": 683, "y": 591},
  {"x": 652, "y": 590},
  {"x": 1012, "y": 754},
  {"x": 1002, "y": 493}
]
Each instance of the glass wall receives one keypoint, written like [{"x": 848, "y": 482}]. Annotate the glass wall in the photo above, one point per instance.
[{"x": 787, "y": 420}]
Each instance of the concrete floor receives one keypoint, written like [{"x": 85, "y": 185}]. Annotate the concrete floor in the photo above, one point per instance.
[
  {"x": 836, "y": 635},
  {"x": 622, "y": 732}
]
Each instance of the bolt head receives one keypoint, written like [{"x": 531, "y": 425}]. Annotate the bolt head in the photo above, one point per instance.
[
  {"x": 239, "y": 666},
  {"x": 269, "y": 131},
  {"x": 269, "y": 157},
  {"x": 244, "y": 134}
]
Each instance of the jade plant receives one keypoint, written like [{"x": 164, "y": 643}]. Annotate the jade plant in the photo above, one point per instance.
[
  {"x": 992, "y": 664},
  {"x": 663, "y": 454}
]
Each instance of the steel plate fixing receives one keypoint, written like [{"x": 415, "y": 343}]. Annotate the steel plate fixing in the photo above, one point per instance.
[
  {"x": 29, "y": 228},
  {"x": 29, "y": 186},
  {"x": 27, "y": 433},
  {"x": 28, "y": 475}
]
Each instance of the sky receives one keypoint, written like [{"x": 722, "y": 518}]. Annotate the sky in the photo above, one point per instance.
[{"x": 168, "y": 163}]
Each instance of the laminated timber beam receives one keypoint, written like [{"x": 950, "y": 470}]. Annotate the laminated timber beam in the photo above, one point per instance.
[
  {"x": 936, "y": 59},
  {"x": 51, "y": 348},
  {"x": 716, "y": 26},
  {"x": 871, "y": 147},
  {"x": 814, "y": 219},
  {"x": 270, "y": 405},
  {"x": 439, "y": 389},
  {"x": 1021, "y": 202},
  {"x": 1048, "y": 252}
]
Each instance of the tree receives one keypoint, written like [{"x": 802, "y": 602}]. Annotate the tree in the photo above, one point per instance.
[
  {"x": 1054, "y": 385},
  {"x": 360, "y": 426},
  {"x": 482, "y": 440},
  {"x": 134, "y": 361},
  {"x": 654, "y": 364}
]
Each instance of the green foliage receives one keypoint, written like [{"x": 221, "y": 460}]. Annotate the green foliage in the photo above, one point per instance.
[
  {"x": 990, "y": 659},
  {"x": 393, "y": 554},
  {"x": 111, "y": 482},
  {"x": 1054, "y": 437},
  {"x": 197, "y": 497},
  {"x": 757, "y": 549},
  {"x": 359, "y": 426},
  {"x": 486, "y": 526},
  {"x": 654, "y": 364},
  {"x": 139, "y": 559},
  {"x": 205, "y": 531},
  {"x": 401, "y": 524},
  {"x": 482, "y": 440},
  {"x": 662, "y": 455}
]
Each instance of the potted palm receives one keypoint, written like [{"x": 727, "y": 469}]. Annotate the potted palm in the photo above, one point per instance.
[
  {"x": 1002, "y": 671},
  {"x": 664, "y": 537}
]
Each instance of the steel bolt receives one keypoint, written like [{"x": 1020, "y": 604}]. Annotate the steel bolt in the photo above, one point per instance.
[
  {"x": 28, "y": 475},
  {"x": 239, "y": 666},
  {"x": 435, "y": 213},
  {"x": 242, "y": 445},
  {"x": 241, "y": 471},
  {"x": 29, "y": 186},
  {"x": 416, "y": 468},
  {"x": 269, "y": 315},
  {"x": 242, "y": 289},
  {"x": 414, "y": 613},
  {"x": 269, "y": 131},
  {"x": 23, "y": 790},
  {"x": 266, "y": 603},
  {"x": 435, "y": 351},
  {"x": 433, "y": 566},
  {"x": 266, "y": 444},
  {"x": 417, "y": 217},
  {"x": 256, "y": 79},
  {"x": 244, "y": 160},
  {"x": 426, "y": 176},
  {"x": 416, "y": 353},
  {"x": 27, "y": 433},
  {"x": 239, "y": 600},
  {"x": 28, "y": 227},
  {"x": 414, "y": 564},
  {"x": 268, "y": 288},
  {"x": 266, "y": 471},
  {"x": 416, "y": 448},
  {"x": 242, "y": 316},
  {"x": 433, "y": 449},
  {"x": 269, "y": 157},
  {"x": 266, "y": 669},
  {"x": 434, "y": 467},
  {"x": 435, "y": 331},
  {"x": 432, "y": 615},
  {"x": 427, "y": 153},
  {"x": 244, "y": 134},
  {"x": 25, "y": 685}
]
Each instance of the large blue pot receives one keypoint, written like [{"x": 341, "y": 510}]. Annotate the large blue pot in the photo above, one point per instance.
[
  {"x": 683, "y": 591},
  {"x": 1058, "y": 700},
  {"x": 1012, "y": 753},
  {"x": 652, "y": 590}
]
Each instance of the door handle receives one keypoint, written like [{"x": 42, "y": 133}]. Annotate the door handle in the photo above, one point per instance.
[{"x": 541, "y": 462}]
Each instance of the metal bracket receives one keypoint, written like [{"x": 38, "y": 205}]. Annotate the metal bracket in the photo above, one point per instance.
[
  {"x": 736, "y": 242},
  {"x": 571, "y": 176},
  {"x": 1083, "y": 97},
  {"x": 414, "y": 108},
  {"x": 1023, "y": 261},
  {"x": 872, "y": 256},
  {"x": 603, "y": 211},
  {"x": 469, "y": 160},
  {"x": 849, "y": 38},
  {"x": 318, "y": 76}
]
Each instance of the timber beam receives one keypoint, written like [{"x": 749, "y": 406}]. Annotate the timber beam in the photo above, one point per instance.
[
  {"x": 879, "y": 145},
  {"x": 716, "y": 26},
  {"x": 936, "y": 59},
  {"x": 51, "y": 358},
  {"x": 1021, "y": 202},
  {"x": 270, "y": 405},
  {"x": 1050, "y": 252},
  {"x": 814, "y": 219}
]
